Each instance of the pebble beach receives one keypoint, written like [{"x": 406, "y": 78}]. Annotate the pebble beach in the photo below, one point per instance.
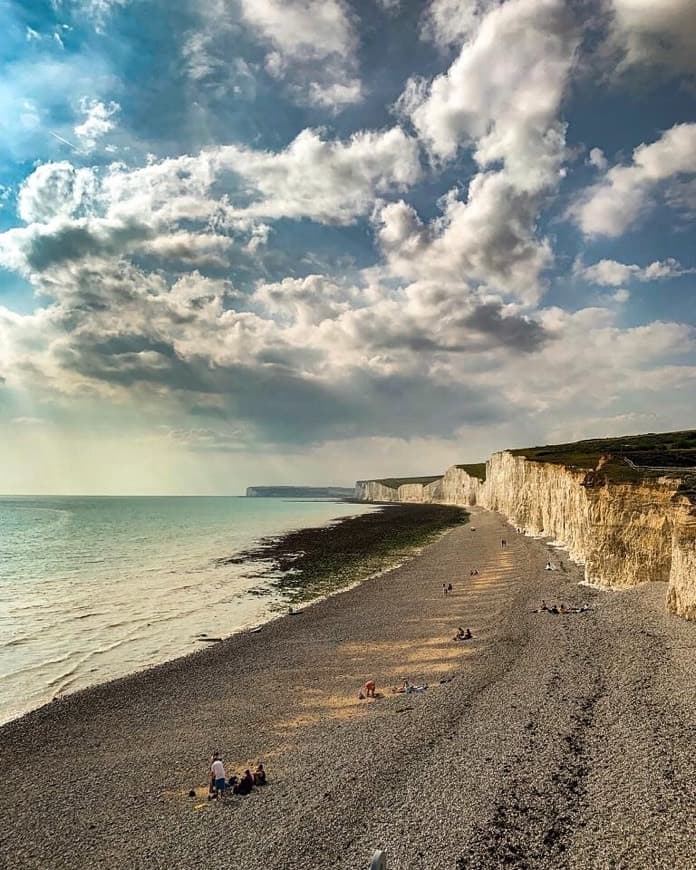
[{"x": 544, "y": 742}]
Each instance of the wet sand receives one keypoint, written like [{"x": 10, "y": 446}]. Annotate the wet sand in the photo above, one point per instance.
[{"x": 556, "y": 741}]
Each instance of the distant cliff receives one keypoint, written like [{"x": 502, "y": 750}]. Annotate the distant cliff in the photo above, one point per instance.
[
  {"x": 299, "y": 492},
  {"x": 421, "y": 490},
  {"x": 628, "y": 523}
]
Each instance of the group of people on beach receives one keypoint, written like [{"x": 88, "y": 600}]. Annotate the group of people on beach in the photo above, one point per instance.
[
  {"x": 406, "y": 687},
  {"x": 219, "y": 784},
  {"x": 555, "y": 609}
]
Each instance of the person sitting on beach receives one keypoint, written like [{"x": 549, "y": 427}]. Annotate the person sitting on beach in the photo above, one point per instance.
[
  {"x": 543, "y": 605},
  {"x": 218, "y": 776},
  {"x": 259, "y": 774},
  {"x": 245, "y": 784},
  {"x": 563, "y": 609},
  {"x": 463, "y": 635},
  {"x": 553, "y": 609},
  {"x": 549, "y": 567}
]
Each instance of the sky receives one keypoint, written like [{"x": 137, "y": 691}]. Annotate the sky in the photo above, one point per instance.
[{"x": 309, "y": 241}]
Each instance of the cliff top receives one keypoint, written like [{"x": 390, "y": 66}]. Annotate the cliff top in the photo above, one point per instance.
[
  {"x": 626, "y": 458},
  {"x": 396, "y": 482}
]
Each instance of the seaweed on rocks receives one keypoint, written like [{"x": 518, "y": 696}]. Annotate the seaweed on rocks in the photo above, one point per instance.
[{"x": 315, "y": 561}]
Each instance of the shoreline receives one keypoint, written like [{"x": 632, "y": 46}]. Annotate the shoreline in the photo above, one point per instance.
[
  {"x": 548, "y": 741},
  {"x": 267, "y": 549}
]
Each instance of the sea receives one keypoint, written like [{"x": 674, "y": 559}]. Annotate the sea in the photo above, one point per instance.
[{"x": 93, "y": 588}]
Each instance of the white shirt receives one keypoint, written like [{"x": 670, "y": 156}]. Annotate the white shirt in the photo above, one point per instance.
[{"x": 218, "y": 770}]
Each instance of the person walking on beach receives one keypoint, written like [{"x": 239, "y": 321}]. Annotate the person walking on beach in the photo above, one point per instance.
[
  {"x": 503, "y": 543},
  {"x": 444, "y": 589},
  {"x": 218, "y": 776}
]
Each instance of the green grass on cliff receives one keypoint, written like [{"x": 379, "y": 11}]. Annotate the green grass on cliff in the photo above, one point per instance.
[
  {"x": 396, "y": 482},
  {"x": 650, "y": 454},
  {"x": 475, "y": 469}
]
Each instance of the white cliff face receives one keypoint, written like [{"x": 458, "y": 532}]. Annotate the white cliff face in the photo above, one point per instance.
[
  {"x": 413, "y": 493},
  {"x": 460, "y": 488},
  {"x": 681, "y": 594},
  {"x": 620, "y": 531},
  {"x": 624, "y": 533},
  {"x": 373, "y": 490}
]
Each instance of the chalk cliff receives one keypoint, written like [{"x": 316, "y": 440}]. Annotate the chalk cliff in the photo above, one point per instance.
[
  {"x": 625, "y": 532},
  {"x": 417, "y": 490}
]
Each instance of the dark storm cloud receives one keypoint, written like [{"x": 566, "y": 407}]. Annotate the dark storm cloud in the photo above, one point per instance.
[{"x": 514, "y": 332}]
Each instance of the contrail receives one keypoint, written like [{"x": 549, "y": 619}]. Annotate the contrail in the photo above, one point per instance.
[{"x": 64, "y": 141}]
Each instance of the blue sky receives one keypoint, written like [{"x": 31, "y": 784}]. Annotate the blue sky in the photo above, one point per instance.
[{"x": 254, "y": 241}]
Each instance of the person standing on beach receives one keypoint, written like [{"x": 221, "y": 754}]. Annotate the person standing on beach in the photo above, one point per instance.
[{"x": 217, "y": 773}]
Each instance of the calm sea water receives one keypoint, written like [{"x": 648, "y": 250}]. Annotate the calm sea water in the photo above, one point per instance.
[{"x": 95, "y": 588}]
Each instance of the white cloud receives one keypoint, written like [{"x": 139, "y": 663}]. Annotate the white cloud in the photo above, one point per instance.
[
  {"x": 610, "y": 273},
  {"x": 621, "y": 296},
  {"x": 450, "y": 22},
  {"x": 309, "y": 300},
  {"x": 185, "y": 208},
  {"x": 98, "y": 121},
  {"x": 624, "y": 194},
  {"x": 302, "y": 28},
  {"x": 655, "y": 34},
  {"x": 313, "y": 46},
  {"x": 327, "y": 181},
  {"x": 56, "y": 190},
  {"x": 501, "y": 98},
  {"x": 597, "y": 159},
  {"x": 487, "y": 238},
  {"x": 335, "y": 94},
  {"x": 503, "y": 92},
  {"x": 320, "y": 360}
]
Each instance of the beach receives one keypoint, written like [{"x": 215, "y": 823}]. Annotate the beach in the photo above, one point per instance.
[{"x": 546, "y": 741}]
